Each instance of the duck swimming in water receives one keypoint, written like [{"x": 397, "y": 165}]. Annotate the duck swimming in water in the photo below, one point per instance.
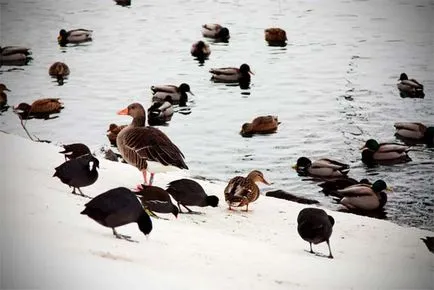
[
  {"x": 178, "y": 94},
  {"x": 75, "y": 36},
  {"x": 216, "y": 31},
  {"x": 60, "y": 71},
  {"x": 384, "y": 153},
  {"x": 15, "y": 55},
  {"x": 232, "y": 74},
  {"x": 39, "y": 109},
  {"x": 3, "y": 97},
  {"x": 160, "y": 112},
  {"x": 260, "y": 125},
  {"x": 410, "y": 88},
  {"x": 414, "y": 133},
  {"x": 200, "y": 50},
  {"x": 275, "y": 36},
  {"x": 325, "y": 168}
]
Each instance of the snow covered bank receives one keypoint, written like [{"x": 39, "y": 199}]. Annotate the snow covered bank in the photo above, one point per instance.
[{"x": 47, "y": 244}]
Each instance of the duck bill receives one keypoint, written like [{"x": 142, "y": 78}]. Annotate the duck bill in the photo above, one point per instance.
[
  {"x": 266, "y": 182},
  {"x": 123, "y": 112},
  {"x": 59, "y": 38},
  {"x": 250, "y": 72},
  {"x": 191, "y": 93},
  {"x": 294, "y": 166},
  {"x": 389, "y": 189},
  {"x": 363, "y": 148},
  {"x": 6, "y": 89}
]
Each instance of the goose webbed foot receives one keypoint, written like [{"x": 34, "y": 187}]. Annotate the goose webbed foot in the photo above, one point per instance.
[{"x": 79, "y": 194}]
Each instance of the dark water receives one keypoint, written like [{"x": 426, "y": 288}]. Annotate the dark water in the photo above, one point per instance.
[{"x": 333, "y": 86}]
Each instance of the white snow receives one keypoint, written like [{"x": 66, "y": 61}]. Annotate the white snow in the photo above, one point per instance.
[{"x": 47, "y": 244}]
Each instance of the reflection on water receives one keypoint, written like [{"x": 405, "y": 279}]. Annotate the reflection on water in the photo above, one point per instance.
[{"x": 333, "y": 86}]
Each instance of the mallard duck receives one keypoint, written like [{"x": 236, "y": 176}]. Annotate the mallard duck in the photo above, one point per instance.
[
  {"x": 260, "y": 125},
  {"x": 78, "y": 172},
  {"x": 241, "y": 191},
  {"x": 113, "y": 131},
  {"x": 156, "y": 199},
  {"x": 3, "y": 96},
  {"x": 188, "y": 192},
  {"x": 315, "y": 226},
  {"x": 14, "y": 55},
  {"x": 364, "y": 197},
  {"x": 324, "y": 167},
  {"x": 147, "y": 148},
  {"x": 231, "y": 74},
  {"x": 74, "y": 150},
  {"x": 178, "y": 94},
  {"x": 384, "y": 153},
  {"x": 275, "y": 36},
  {"x": 215, "y": 31},
  {"x": 117, "y": 207},
  {"x": 416, "y": 132},
  {"x": 41, "y": 108},
  {"x": 160, "y": 112},
  {"x": 59, "y": 70},
  {"x": 200, "y": 50},
  {"x": 74, "y": 36},
  {"x": 410, "y": 88},
  {"x": 330, "y": 187}
]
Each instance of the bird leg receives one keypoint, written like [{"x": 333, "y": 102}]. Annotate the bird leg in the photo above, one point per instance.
[
  {"x": 190, "y": 211},
  {"x": 152, "y": 214},
  {"x": 311, "y": 251},
  {"x": 80, "y": 194},
  {"x": 151, "y": 179},
  {"x": 122, "y": 237},
  {"x": 145, "y": 178},
  {"x": 330, "y": 251},
  {"x": 247, "y": 207},
  {"x": 179, "y": 207}
]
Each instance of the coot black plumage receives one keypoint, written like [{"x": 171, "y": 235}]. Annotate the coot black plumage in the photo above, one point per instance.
[
  {"x": 117, "y": 207},
  {"x": 189, "y": 192},
  {"x": 315, "y": 226},
  {"x": 74, "y": 150},
  {"x": 79, "y": 172}
]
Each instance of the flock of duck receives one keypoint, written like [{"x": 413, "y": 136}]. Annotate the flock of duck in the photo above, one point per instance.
[{"x": 151, "y": 151}]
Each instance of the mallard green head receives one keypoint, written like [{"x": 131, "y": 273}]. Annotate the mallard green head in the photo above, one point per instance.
[
  {"x": 223, "y": 33},
  {"x": 371, "y": 144},
  {"x": 245, "y": 69},
  {"x": 185, "y": 88},
  {"x": 403, "y": 77},
  {"x": 303, "y": 163},
  {"x": 380, "y": 185},
  {"x": 62, "y": 39}
]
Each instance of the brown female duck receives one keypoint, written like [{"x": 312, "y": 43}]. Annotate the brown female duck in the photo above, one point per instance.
[
  {"x": 200, "y": 50},
  {"x": 147, "y": 148},
  {"x": 41, "y": 108},
  {"x": 260, "y": 125},
  {"x": 215, "y": 31},
  {"x": 241, "y": 191},
  {"x": 75, "y": 36},
  {"x": 275, "y": 36},
  {"x": 178, "y": 94},
  {"x": 59, "y": 70},
  {"x": 112, "y": 133}
]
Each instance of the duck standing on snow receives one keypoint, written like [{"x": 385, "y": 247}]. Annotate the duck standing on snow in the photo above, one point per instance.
[
  {"x": 232, "y": 74},
  {"x": 216, "y": 31},
  {"x": 79, "y": 172},
  {"x": 325, "y": 168},
  {"x": 75, "y": 36},
  {"x": 315, "y": 226},
  {"x": 147, "y": 148},
  {"x": 160, "y": 112},
  {"x": 3, "y": 97},
  {"x": 275, "y": 36},
  {"x": 409, "y": 88},
  {"x": 178, "y": 94},
  {"x": 40, "y": 109},
  {"x": 74, "y": 150},
  {"x": 156, "y": 199},
  {"x": 415, "y": 133},
  {"x": 188, "y": 192},
  {"x": 364, "y": 197},
  {"x": 241, "y": 191},
  {"x": 200, "y": 50},
  {"x": 117, "y": 207},
  {"x": 260, "y": 125},
  {"x": 15, "y": 55},
  {"x": 384, "y": 153},
  {"x": 60, "y": 71}
]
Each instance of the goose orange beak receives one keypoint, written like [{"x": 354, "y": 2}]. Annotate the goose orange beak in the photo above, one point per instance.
[{"x": 123, "y": 112}]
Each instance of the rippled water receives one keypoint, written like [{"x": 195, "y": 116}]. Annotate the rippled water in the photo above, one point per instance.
[{"x": 333, "y": 86}]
